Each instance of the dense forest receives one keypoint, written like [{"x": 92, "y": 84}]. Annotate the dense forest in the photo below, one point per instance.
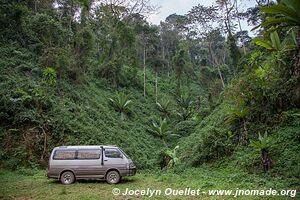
[{"x": 194, "y": 90}]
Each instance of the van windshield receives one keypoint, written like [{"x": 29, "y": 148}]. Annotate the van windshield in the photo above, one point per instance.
[{"x": 124, "y": 153}]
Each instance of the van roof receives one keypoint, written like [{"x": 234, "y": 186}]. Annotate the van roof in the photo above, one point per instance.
[{"x": 86, "y": 146}]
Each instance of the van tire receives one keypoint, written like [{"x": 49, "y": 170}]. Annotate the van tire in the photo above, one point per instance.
[
  {"x": 113, "y": 177},
  {"x": 67, "y": 178}
]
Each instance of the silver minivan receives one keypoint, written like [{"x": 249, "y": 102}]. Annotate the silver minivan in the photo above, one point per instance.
[{"x": 70, "y": 163}]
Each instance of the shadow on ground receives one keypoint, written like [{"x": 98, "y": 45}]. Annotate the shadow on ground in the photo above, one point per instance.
[{"x": 96, "y": 181}]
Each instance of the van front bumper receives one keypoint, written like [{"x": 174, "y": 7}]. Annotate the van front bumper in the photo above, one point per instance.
[{"x": 131, "y": 171}]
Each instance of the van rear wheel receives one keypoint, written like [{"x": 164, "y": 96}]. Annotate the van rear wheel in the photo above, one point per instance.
[
  {"x": 113, "y": 177},
  {"x": 67, "y": 178}
]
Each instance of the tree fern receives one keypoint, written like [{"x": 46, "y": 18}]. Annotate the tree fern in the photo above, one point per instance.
[{"x": 121, "y": 104}]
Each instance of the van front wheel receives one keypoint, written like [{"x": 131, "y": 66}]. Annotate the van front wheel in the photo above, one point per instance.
[
  {"x": 67, "y": 178},
  {"x": 113, "y": 177}
]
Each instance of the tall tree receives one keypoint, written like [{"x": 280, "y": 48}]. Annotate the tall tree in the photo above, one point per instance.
[
  {"x": 202, "y": 21},
  {"x": 172, "y": 30},
  {"x": 228, "y": 11},
  {"x": 182, "y": 65}
]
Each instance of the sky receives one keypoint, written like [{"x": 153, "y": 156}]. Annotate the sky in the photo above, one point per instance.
[{"x": 168, "y": 7}]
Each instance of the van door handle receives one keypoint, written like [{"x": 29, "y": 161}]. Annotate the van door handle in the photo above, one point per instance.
[{"x": 105, "y": 160}]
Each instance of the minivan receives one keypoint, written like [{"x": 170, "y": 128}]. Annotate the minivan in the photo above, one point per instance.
[{"x": 70, "y": 163}]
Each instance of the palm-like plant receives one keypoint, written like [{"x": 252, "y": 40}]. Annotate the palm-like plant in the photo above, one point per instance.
[
  {"x": 262, "y": 145},
  {"x": 184, "y": 113},
  {"x": 275, "y": 44},
  {"x": 239, "y": 114},
  {"x": 164, "y": 106},
  {"x": 184, "y": 101},
  {"x": 286, "y": 14},
  {"x": 121, "y": 104},
  {"x": 161, "y": 130},
  {"x": 236, "y": 113},
  {"x": 172, "y": 157}
]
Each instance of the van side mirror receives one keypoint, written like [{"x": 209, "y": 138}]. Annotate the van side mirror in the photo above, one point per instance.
[{"x": 121, "y": 156}]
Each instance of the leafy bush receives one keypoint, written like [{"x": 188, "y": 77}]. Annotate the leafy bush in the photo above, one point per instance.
[
  {"x": 185, "y": 128},
  {"x": 27, "y": 171},
  {"x": 50, "y": 75},
  {"x": 210, "y": 141},
  {"x": 285, "y": 151}
]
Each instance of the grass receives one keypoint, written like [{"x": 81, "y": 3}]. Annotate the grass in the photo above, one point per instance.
[{"x": 34, "y": 185}]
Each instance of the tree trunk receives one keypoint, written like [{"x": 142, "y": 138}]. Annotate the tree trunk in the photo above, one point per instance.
[
  {"x": 296, "y": 68},
  {"x": 243, "y": 138},
  {"x": 265, "y": 158},
  {"x": 71, "y": 16},
  {"x": 164, "y": 142},
  {"x": 168, "y": 61},
  {"x": 239, "y": 22},
  {"x": 178, "y": 86},
  {"x": 156, "y": 87},
  {"x": 168, "y": 64},
  {"x": 227, "y": 23},
  {"x": 163, "y": 54},
  {"x": 297, "y": 57},
  {"x": 198, "y": 104},
  {"x": 44, "y": 146},
  {"x": 221, "y": 77},
  {"x": 144, "y": 64},
  {"x": 216, "y": 63},
  {"x": 35, "y": 6},
  {"x": 122, "y": 115}
]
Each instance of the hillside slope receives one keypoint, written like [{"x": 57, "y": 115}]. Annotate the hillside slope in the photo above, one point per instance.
[
  {"x": 36, "y": 116},
  {"x": 213, "y": 142}
]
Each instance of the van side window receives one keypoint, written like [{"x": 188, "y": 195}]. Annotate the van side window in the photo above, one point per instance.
[
  {"x": 64, "y": 155},
  {"x": 113, "y": 153},
  {"x": 88, "y": 154}
]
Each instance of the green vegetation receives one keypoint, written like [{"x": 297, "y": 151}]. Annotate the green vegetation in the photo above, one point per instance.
[
  {"x": 193, "y": 101},
  {"x": 31, "y": 184},
  {"x": 121, "y": 103}
]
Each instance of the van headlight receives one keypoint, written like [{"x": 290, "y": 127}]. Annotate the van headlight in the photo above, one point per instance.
[{"x": 131, "y": 165}]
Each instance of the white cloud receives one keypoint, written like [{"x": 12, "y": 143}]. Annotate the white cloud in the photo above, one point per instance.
[{"x": 169, "y": 7}]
